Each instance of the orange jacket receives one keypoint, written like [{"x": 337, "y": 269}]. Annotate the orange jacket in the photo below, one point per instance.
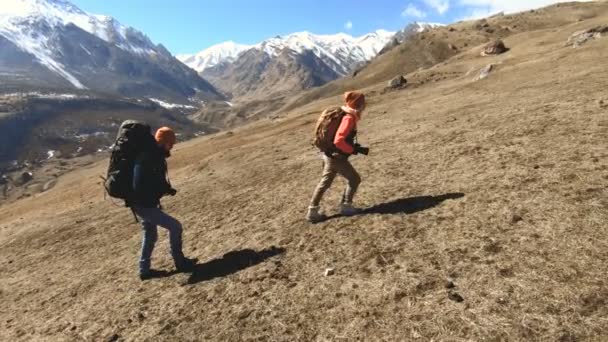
[{"x": 346, "y": 128}]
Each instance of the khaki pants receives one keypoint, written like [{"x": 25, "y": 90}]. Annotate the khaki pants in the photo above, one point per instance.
[{"x": 334, "y": 166}]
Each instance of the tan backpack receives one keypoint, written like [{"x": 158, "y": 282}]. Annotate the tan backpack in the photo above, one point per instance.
[{"x": 326, "y": 128}]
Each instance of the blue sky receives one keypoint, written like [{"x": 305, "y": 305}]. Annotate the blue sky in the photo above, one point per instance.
[{"x": 188, "y": 26}]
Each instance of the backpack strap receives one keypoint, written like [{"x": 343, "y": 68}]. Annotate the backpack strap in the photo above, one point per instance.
[{"x": 134, "y": 215}]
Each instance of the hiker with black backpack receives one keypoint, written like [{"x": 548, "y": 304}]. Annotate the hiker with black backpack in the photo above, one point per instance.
[
  {"x": 335, "y": 135},
  {"x": 138, "y": 174}
]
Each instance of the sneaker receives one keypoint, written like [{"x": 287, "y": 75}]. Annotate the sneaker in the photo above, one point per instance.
[
  {"x": 347, "y": 209},
  {"x": 186, "y": 264},
  {"x": 150, "y": 274},
  {"x": 314, "y": 216}
]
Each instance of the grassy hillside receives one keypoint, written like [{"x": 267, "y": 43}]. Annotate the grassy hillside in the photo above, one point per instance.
[{"x": 486, "y": 211}]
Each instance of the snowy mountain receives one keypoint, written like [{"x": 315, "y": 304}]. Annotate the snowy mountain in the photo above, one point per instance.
[
  {"x": 403, "y": 34},
  {"x": 340, "y": 51},
  {"x": 291, "y": 63},
  {"x": 50, "y": 44},
  {"x": 414, "y": 28},
  {"x": 217, "y": 54}
]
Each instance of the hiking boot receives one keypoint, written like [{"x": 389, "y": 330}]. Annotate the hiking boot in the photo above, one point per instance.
[
  {"x": 186, "y": 265},
  {"x": 347, "y": 209},
  {"x": 314, "y": 216},
  {"x": 150, "y": 274}
]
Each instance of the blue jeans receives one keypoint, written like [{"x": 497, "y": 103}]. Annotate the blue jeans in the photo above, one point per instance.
[{"x": 151, "y": 218}]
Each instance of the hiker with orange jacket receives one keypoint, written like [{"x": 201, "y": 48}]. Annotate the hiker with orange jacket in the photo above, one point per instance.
[
  {"x": 149, "y": 185},
  {"x": 339, "y": 146}
]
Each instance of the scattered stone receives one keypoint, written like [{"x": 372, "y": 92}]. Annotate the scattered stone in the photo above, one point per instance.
[
  {"x": 480, "y": 24},
  {"x": 506, "y": 272},
  {"x": 452, "y": 47},
  {"x": 602, "y": 104},
  {"x": 501, "y": 300},
  {"x": 485, "y": 71},
  {"x": 330, "y": 272},
  {"x": 451, "y": 29},
  {"x": 493, "y": 247},
  {"x": 26, "y": 177},
  {"x": 399, "y": 295},
  {"x": 516, "y": 218},
  {"x": 113, "y": 338},
  {"x": 449, "y": 283},
  {"x": 397, "y": 82},
  {"x": 581, "y": 37},
  {"x": 493, "y": 48},
  {"x": 455, "y": 296},
  {"x": 244, "y": 314}
]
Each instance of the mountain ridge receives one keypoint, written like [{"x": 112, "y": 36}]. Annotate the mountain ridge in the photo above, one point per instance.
[{"x": 88, "y": 52}]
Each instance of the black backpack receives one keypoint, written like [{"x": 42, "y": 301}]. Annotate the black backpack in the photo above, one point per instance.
[{"x": 133, "y": 138}]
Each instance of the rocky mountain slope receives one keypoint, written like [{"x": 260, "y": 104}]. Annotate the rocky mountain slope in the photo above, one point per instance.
[
  {"x": 66, "y": 74},
  {"x": 263, "y": 78},
  {"x": 41, "y": 129},
  {"x": 486, "y": 203},
  {"x": 249, "y": 71}
]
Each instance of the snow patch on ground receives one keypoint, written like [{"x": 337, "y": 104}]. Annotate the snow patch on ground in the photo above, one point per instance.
[
  {"x": 52, "y": 96},
  {"x": 170, "y": 105},
  {"x": 85, "y": 50},
  {"x": 86, "y": 136}
]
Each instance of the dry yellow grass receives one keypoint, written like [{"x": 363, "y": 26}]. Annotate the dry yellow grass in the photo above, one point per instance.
[{"x": 524, "y": 244}]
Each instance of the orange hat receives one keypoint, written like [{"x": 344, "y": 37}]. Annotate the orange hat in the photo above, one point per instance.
[
  {"x": 165, "y": 135},
  {"x": 354, "y": 100}
]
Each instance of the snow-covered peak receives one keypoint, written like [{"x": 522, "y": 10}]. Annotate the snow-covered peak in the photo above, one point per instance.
[
  {"x": 17, "y": 17},
  {"x": 31, "y": 24},
  {"x": 301, "y": 41},
  {"x": 414, "y": 28},
  {"x": 24, "y": 8},
  {"x": 224, "y": 52},
  {"x": 421, "y": 27},
  {"x": 340, "y": 50}
]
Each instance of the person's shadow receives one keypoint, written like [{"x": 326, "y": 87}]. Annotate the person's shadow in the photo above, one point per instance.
[
  {"x": 230, "y": 263},
  {"x": 409, "y": 205}
]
